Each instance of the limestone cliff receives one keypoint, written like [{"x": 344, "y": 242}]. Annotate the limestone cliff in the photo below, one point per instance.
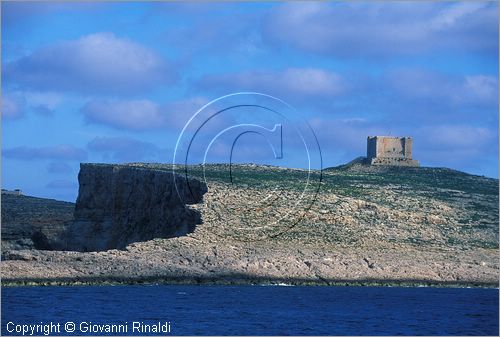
[
  {"x": 118, "y": 205},
  {"x": 368, "y": 225}
]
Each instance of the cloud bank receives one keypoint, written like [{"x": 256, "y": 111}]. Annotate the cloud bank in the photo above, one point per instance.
[
  {"x": 365, "y": 30},
  {"x": 63, "y": 152},
  {"x": 99, "y": 63}
]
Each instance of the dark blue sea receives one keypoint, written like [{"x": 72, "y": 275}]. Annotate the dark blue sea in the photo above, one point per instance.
[{"x": 249, "y": 310}]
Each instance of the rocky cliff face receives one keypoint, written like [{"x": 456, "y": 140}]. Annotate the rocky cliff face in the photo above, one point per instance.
[
  {"x": 368, "y": 224},
  {"x": 118, "y": 205}
]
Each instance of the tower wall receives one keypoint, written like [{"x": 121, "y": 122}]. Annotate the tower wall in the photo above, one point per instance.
[{"x": 384, "y": 150}]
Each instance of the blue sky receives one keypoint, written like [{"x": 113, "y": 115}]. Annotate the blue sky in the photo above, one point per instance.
[{"x": 117, "y": 82}]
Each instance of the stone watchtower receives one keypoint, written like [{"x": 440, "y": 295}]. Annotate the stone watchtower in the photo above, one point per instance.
[{"x": 383, "y": 150}]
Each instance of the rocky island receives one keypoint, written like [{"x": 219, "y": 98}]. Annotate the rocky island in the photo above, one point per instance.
[{"x": 352, "y": 224}]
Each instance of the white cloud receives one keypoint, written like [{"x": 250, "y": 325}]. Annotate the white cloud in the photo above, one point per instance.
[
  {"x": 134, "y": 115},
  {"x": 439, "y": 88},
  {"x": 62, "y": 152},
  {"x": 124, "y": 149},
  {"x": 141, "y": 114},
  {"x": 346, "y": 134},
  {"x": 310, "y": 81},
  {"x": 99, "y": 63},
  {"x": 481, "y": 88},
  {"x": 384, "y": 29},
  {"x": 13, "y": 105},
  {"x": 457, "y": 138},
  {"x": 451, "y": 16},
  {"x": 465, "y": 147},
  {"x": 47, "y": 99},
  {"x": 288, "y": 83},
  {"x": 16, "y": 103}
]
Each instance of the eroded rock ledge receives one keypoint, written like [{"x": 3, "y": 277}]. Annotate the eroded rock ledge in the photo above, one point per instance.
[
  {"x": 369, "y": 225},
  {"x": 121, "y": 204}
]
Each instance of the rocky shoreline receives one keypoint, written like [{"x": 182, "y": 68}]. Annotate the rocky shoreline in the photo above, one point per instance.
[
  {"x": 187, "y": 260},
  {"x": 367, "y": 227},
  {"x": 224, "y": 280}
]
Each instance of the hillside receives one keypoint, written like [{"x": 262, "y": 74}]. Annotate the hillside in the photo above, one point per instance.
[
  {"x": 29, "y": 222},
  {"x": 355, "y": 224}
]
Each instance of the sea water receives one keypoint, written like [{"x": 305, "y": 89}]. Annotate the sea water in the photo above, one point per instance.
[{"x": 248, "y": 310}]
